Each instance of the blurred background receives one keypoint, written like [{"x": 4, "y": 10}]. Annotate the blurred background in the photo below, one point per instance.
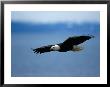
[{"x": 30, "y": 29}]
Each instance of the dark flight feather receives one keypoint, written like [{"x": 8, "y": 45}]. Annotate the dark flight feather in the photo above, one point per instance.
[
  {"x": 42, "y": 49},
  {"x": 76, "y": 40}
]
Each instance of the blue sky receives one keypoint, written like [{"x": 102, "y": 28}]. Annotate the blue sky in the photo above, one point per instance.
[
  {"x": 35, "y": 29},
  {"x": 55, "y": 16}
]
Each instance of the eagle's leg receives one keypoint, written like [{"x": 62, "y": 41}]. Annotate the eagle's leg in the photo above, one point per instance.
[{"x": 77, "y": 48}]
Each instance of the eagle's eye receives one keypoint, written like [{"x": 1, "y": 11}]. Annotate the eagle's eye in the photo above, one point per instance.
[{"x": 53, "y": 48}]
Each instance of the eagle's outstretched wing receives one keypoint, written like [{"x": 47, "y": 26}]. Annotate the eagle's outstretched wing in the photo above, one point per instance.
[
  {"x": 42, "y": 49},
  {"x": 76, "y": 40}
]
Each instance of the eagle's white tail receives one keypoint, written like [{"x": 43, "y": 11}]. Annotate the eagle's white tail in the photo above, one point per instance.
[{"x": 77, "y": 48}]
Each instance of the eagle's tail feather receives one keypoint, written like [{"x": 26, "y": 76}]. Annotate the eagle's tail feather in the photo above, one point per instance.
[{"x": 77, "y": 48}]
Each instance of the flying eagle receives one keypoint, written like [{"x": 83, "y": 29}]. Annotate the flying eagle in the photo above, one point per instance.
[{"x": 70, "y": 44}]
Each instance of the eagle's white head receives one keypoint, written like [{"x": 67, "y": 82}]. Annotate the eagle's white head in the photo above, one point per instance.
[{"x": 55, "y": 48}]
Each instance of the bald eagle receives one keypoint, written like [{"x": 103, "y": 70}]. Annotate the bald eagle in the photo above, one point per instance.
[{"x": 70, "y": 44}]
